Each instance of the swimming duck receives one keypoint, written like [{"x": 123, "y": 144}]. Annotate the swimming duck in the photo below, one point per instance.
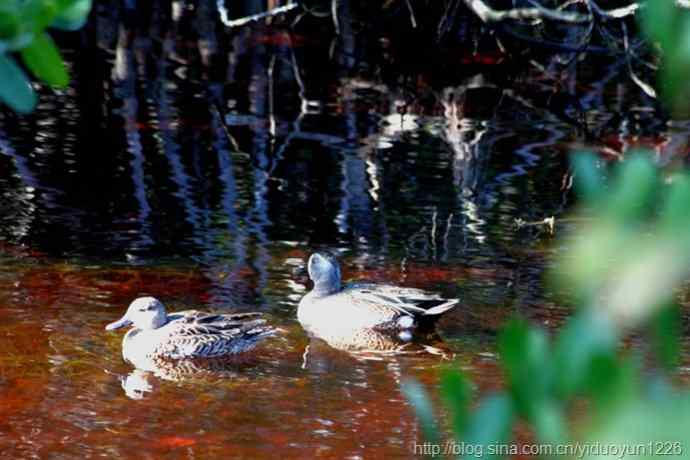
[
  {"x": 186, "y": 334},
  {"x": 331, "y": 307}
]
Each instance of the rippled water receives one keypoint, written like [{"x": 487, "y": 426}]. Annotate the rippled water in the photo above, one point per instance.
[{"x": 192, "y": 164}]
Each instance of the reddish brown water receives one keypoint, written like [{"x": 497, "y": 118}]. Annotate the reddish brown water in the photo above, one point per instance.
[
  {"x": 61, "y": 375},
  {"x": 62, "y": 392}
]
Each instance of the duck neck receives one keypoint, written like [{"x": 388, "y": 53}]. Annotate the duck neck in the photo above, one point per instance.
[
  {"x": 155, "y": 322},
  {"x": 326, "y": 287}
]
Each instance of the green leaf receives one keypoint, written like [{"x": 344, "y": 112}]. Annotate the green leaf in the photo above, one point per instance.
[
  {"x": 417, "y": 396},
  {"x": 675, "y": 216},
  {"x": 666, "y": 336},
  {"x": 9, "y": 24},
  {"x": 37, "y": 15},
  {"x": 43, "y": 58},
  {"x": 588, "y": 178},
  {"x": 659, "y": 389},
  {"x": 525, "y": 358},
  {"x": 72, "y": 14},
  {"x": 632, "y": 193},
  {"x": 644, "y": 429},
  {"x": 456, "y": 393},
  {"x": 549, "y": 423},
  {"x": 613, "y": 382},
  {"x": 15, "y": 89},
  {"x": 658, "y": 20},
  {"x": 491, "y": 426},
  {"x": 587, "y": 335}
]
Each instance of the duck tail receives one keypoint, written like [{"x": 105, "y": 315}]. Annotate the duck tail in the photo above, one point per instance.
[
  {"x": 263, "y": 331},
  {"x": 440, "y": 309}
]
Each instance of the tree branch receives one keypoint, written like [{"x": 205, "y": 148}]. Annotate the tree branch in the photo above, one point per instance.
[
  {"x": 247, "y": 19},
  {"x": 616, "y": 13},
  {"x": 487, "y": 14}
]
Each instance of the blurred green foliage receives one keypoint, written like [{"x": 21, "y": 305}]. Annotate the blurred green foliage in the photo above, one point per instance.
[
  {"x": 668, "y": 25},
  {"x": 23, "y": 25},
  {"x": 624, "y": 266}
]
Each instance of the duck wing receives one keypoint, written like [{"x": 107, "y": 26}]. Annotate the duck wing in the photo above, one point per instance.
[
  {"x": 194, "y": 334},
  {"x": 399, "y": 301}
]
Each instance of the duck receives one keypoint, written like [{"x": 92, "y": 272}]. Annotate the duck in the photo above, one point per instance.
[
  {"x": 332, "y": 308},
  {"x": 188, "y": 334}
]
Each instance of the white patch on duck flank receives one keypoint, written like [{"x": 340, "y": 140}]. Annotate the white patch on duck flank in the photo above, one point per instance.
[{"x": 406, "y": 322}]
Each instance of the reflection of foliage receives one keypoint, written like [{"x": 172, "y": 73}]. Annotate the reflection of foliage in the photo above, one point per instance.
[
  {"x": 23, "y": 27},
  {"x": 624, "y": 275}
]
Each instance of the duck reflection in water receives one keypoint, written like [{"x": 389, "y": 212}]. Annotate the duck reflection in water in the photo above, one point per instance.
[
  {"x": 370, "y": 345},
  {"x": 138, "y": 384},
  {"x": 142, "y": 381}
]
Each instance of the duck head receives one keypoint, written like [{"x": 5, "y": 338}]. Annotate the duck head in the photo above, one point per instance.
[
  {"x": 143, "y": 313},
  {"x": 324, "y": 271}
]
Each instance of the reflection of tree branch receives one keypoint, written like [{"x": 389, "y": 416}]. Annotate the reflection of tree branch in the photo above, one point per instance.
[
  {"x": 334, "y": 13},
  {"x": 296, "y": 72},
  {"x": 556, "y": 46},
  {"x": 446, "y": 22},
  {"x": 412, "y": 18},
  {"x": 488, "y": 14},
  {"x": 648, "y": 90}
]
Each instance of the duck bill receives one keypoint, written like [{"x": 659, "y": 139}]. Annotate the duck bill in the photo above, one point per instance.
[{"x": 122, "y": 322}]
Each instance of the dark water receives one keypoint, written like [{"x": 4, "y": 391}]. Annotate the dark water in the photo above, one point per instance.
[{"x": 203, "y": 165}]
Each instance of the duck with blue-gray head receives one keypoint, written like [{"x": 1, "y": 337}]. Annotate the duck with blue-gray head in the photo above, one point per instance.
[
  {"x": 188, "y": 334},
  {"x": 331, "y": 308}
]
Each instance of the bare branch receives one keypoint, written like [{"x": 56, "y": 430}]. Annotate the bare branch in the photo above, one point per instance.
[
  {"x": 648, "y": 90},
  {"x": 616, "y": 13},
  {"x": 487, "y": 14},
  {"x": 255, "y": 17},
  {"x": 334, "y": 13},
  {"x": 412, "y": 18}
]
